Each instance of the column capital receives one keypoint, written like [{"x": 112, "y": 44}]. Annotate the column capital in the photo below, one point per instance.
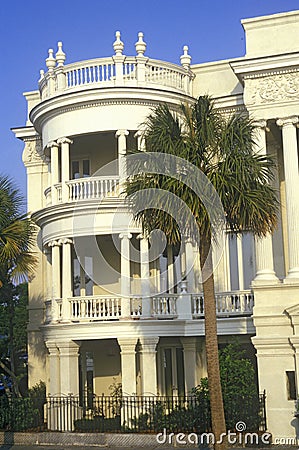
[
  {"x": 52, "y": 144},
  {"x": 67, "y": 348},
  {"x": 52, "y": 347},
  {"x": 65, "y": 241},
  {"x": 287, "y": 121},
  {"x": 64, "y": 140},
  {"x": 142, "y": 236},
  {"x": 138, "y": 133},
  {"x": 125, "y": 236},
  {"x": 121, "y": 133},
  {"x": 127, "y": 345},
  {"x": 54, "y": 243},
  {"x": 148, "y": 344},
  {"x": 260, "y": 123}
]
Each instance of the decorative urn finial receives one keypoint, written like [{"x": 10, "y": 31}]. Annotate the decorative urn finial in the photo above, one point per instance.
[
  {"x": 60, "y": 55},
  {"x": 185, "y": 58},
  {"x": 140, "y": 45},
  {"x": 118, "y": 44},
  {"x": 51, "y": 61}
]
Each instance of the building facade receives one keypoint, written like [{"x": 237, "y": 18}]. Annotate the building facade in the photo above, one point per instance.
[{"x": 101, "y": 310}]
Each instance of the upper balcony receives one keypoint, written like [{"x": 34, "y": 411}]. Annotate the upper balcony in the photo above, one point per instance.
[{"x": 115, "y": 71}]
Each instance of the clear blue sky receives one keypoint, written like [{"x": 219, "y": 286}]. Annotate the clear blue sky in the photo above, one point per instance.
[{"x": 212, "y": 29}]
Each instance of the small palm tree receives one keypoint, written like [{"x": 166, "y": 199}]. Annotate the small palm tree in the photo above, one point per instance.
[
  {"x": 17, "y": 234},
  {"x": 222, "y": 149}
]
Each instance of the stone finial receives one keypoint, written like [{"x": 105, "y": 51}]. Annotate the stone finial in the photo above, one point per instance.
[
  {"x": 140, "y": 45},
  {"x": 41, "y": 74},
  {"x": 185, "y": 58},
  {"x": 118, "y": 44},
  {"x": 51, "y": 61},
  {"x": 60, "y": 55}
]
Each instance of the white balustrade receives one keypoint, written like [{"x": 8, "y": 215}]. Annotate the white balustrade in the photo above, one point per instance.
[
  {"x": 101, "y": 307},
  {"x": 93, "y": 187},
  {"x": 165, "y": 74},
  {"x": 86, "y": 189},
  {"x": 232, "y": 303},
  {"x": 101, "y": 72},
  {"x": 97, "y": 71},
  {"x": 164, "y": 306},
  {"x": 95, "y": 308}
]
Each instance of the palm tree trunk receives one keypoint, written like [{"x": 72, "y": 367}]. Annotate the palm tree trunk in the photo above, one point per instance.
[{"x": 216, "y": 399}]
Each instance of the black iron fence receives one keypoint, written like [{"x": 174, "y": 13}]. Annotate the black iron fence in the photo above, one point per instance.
[{"x": 134, "y": 414}]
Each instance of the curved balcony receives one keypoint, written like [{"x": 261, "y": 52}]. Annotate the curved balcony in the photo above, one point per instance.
[
  {"x": 110, "y": 72},
  {"x": 166, "y": 306}
]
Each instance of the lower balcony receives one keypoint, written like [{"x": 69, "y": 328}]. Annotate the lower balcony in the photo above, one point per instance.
[{"x": 182, "y": 306}]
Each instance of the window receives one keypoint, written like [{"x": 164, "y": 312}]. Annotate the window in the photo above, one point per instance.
[
  {"x": 291, "y": 385},
  {"x": 80, "y": 169}
]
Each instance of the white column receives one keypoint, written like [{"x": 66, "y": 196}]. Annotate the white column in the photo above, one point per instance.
[
  {"x": 65, "y": 166},
  {"x": 240, "y": 261},
  {"x": 66, "y": 277},
  {"x": 148, "y": 365},
  {"x": 54, "y": 170},
  {"x": 128, "y": 365},
  {"x": 145, "y": 274},
  {"x": 190, "y": 261},
  {"x": 140, "y": 141},
  {"x": 170, "y": 269},
  {"x": 290, "y": 158},
  {"x": 48, "y": 278},
  {"x": 125, "y": 278},
  {"x": 121, "y": 136},
  {"x": 56, "y": 279},
  {"x": 227, "y": 262},
  {"x": 265, "y": 273},
  {"x": 189, "y": 347},
  {"x": 54, "y": 369},
  {"x": 69, "y": 367}
]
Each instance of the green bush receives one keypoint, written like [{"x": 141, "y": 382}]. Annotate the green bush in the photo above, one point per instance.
[{"x": 240, "y": 394}]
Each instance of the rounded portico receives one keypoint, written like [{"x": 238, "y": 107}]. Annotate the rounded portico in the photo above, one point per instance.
[{"x": 98, "y": 302}]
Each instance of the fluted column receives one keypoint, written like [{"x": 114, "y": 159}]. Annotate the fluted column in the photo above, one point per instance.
[
  {"x": 54, "y": 155},
  {"x": 265, "y": 273},
  {"x": 290, "y": 158},
  {"x": 125, "y": 278},
  {"x": 121, "y": 136},
  {"x": 54, "y": 369},
  {"x": 65, "y": 166},
  {"x": 128, "y": 365},
  {"x": 148, "y": 365},
  {"x": 145, "y": 274}
]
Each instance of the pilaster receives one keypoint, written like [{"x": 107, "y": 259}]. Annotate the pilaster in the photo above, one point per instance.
[{"x": 148, "y": 365}]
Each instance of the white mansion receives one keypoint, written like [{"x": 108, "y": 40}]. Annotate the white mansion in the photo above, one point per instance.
[{"x": 119, "y": 318}]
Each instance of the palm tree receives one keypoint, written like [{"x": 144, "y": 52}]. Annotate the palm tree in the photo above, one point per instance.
[
  {"x": 222, "y": 149},
  {"x": 17, "y": 261}
]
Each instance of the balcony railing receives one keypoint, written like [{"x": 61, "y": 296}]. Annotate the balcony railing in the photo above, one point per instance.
[
  {"x": 227, "y": 304},
  {"x": 84, "y": 189},
  {"x": 131, "y": 71},
  {"x": 167, "y": 306}
]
